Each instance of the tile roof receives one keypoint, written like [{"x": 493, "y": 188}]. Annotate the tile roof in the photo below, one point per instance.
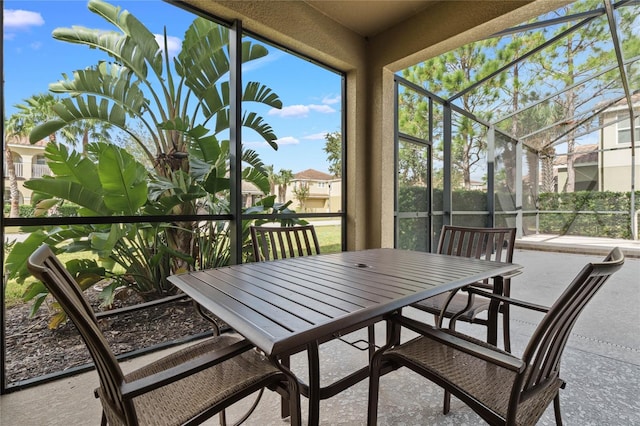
[{"x": 311, "y": 174}]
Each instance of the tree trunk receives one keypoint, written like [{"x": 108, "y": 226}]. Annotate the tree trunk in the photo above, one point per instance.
[
  {"x": 534, "y": 179},
  {"x": 547, "y": 171},
  {"x": 13, "y": 184}
]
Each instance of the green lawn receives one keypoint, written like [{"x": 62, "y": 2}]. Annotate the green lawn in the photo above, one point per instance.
[{"x": 329, "y": 237}]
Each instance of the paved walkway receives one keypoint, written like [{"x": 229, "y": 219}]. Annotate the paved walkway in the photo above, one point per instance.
[
  {"x": 577, "y": 244},
  {"x": 601, "y": 365}
]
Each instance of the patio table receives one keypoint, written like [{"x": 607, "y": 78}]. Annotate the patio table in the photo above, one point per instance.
[{"x": 290, "y": 305}]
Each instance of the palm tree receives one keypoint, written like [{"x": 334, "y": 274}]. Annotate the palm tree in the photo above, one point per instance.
[
  {"x": 284, "y": 179},
  {"x": 272, "y": 176},
  {"x": 13, "y": 129},
  {"x": 37, "y": 110}
]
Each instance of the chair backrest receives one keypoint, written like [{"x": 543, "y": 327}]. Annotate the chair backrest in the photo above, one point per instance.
[
  {"x": 481, "y": 243},
  {"x": 279, "y": 242},
  {"x": 544, "y": 350},
  {"x": 45, "y": 266}
]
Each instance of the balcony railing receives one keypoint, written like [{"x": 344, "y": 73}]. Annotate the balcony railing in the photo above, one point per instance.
[
  {"x": 39, "y": 170},
  {"x": 18, "y": 167}
]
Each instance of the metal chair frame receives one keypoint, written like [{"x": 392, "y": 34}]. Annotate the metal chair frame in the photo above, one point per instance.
[
  {"x": 481, "y": 243},
  {"x": 280, "y": 242},
  {"x": 202, "y": 363},
  {"x": 500, "y": 387}
]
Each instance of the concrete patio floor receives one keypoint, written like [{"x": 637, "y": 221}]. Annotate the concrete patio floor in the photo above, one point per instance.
[{"x": 601, "y": 364}]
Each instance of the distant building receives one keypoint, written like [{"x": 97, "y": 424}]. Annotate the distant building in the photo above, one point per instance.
[
  {"x": 324, "y": 195},
  {"x": 29, "y": 162},
  {"x": 585, "y": 166},
  {"x": 615, "y": 163},
  {"x": 605, "y": 166}
]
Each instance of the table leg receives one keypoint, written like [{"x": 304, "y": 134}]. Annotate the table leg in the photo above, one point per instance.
[
  {"x": 314, "y": 384},
  {"x": 492, "y": 315}
]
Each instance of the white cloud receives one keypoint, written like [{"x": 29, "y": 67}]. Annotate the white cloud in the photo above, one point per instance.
[
  {"x": 327, "y": 100},
  {"x": 300, "y": 110},
  {"x": 316, "y": 136},
  {"x": 174, "y": 44},
  {"x": 287, "y": 140},
  {"x": 19, "y": 19},
  {"x": 36, "y": 45},
  {"x": 324, "y": 109}
]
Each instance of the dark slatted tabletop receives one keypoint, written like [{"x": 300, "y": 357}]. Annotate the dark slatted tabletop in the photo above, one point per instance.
[{"x": 282, "y": 305}]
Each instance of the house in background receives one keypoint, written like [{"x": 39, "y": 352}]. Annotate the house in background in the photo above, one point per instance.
[
  {"x": 29, "y": 162},
  {"x": 615, "y": 170},
  {"x": 585, "y": 165},
  {"x": 324, "y": 192},
  {"x": 605, "y": 166}
]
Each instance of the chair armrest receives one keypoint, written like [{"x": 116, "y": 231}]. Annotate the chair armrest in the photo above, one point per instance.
[
  {"x": 193, "y": 366},
  {"x": 509, "y": 300},
  {"x": 493, "y": 356},
  {"x": 511, "y": 274}
]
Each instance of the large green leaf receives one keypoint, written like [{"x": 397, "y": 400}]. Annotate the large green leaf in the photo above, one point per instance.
[
  {"x": 258, "y": 92},
  {"x": 203, "y": 60},
  {"x": 214, "y": 99},
  {"x": 214, "y": 183},
  {"x": 123, "y": 179},
  {"x": 256, "y": 177},
  {"x": 256, "y": 123},
  {"x": 45, "y": 130},
  {"x": 134, "y": 49},
  {"x": 145, "y": 42},
  {"x": 252, "y": 51},
  {"x": 72, "y": 166},
  {"x": 16, "y": 262},
  {"x": 205, "y": 148},
  {"x": 104, "y": 242},
  {"x": 71, "y": 191},
  {"x": 107, "y": 81}
]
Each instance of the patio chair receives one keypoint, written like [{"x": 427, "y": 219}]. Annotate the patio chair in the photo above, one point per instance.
[
  {"x": 186, "y": 387},
  {"x": 280, "y": 242},
  {"x": 500, "y": 387},
  {"x": 481, "y": 243}
]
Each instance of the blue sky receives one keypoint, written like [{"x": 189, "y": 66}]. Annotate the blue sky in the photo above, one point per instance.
[{"x": 310, "y": 94}]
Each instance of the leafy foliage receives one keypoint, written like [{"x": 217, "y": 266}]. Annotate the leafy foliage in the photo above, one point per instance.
[{"x": 167, "y": 106}]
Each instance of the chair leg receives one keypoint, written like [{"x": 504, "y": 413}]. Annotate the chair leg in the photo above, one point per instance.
[
  {"x": 223, "y": 418},
  {"x": 506, "y": 332},
  {"x": 103, "y": 420},
  {"x": 446, "y": 403},
  {"x": 285, "y": 407},
  {"x": 556, "y": 409}
]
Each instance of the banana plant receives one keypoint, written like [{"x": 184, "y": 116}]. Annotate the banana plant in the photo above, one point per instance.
[{"x": 171, "y": 97}]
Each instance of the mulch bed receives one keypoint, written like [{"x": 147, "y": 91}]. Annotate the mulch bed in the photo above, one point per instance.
[{"x": 33, "y": 350}]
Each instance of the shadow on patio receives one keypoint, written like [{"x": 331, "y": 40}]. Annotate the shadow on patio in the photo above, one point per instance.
[{"x": 601, "y": 364}]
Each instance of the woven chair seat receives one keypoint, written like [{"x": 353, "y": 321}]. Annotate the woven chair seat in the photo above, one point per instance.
[
  {"x": 434, "y": 305},
  {"x": 180, "y": 401},
  {"x": 501, "y": 388},
  {"x": 489, "y": 383},
  {"x": 185, "y": 387}
]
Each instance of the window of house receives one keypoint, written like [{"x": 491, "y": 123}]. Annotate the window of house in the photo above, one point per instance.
[{"x": 624, "y": 131}]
